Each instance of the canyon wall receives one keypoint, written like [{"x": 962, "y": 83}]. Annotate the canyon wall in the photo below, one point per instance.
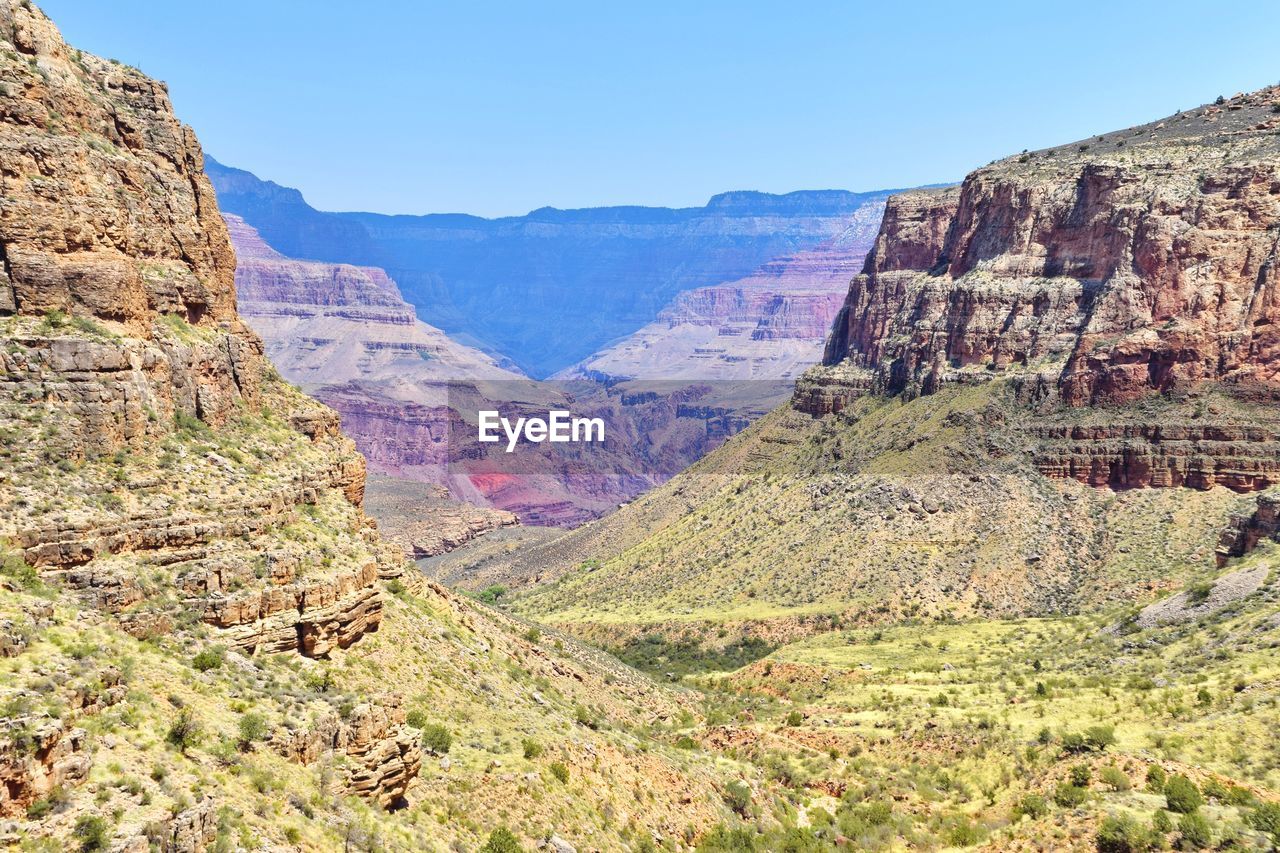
[
  {"x": 768, "y": 325},
  {"x": 582, "y": 278},
  {"x": 1096, "y": 274},
  {"x": 152, "y": 457}
]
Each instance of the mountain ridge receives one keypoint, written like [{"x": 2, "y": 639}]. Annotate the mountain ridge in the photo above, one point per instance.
[{"x": 582, "y": 278}]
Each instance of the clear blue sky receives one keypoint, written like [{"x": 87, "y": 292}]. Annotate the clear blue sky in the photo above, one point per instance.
[{"x": 497, "y": 108}]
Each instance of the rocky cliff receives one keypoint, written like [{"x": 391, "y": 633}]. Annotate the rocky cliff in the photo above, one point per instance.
[
  {"x": 197, "y": 616},
  {"x": 582, "y": 278},
  {"x": 768, "y": 325},
  {"x": 1095, "y": 274},
  {"x": 123, "y": 342}
]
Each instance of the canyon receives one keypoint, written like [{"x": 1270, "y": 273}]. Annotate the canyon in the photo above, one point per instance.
[
  {"x": 207, "y": 643},
  {"x": 410, "y": 395},
  {"x": 583, "y": 278},
  {"x": 770, "y": 325},
  {"x": 1070, "y": 340},
  {"x": 998, "y": 573}
]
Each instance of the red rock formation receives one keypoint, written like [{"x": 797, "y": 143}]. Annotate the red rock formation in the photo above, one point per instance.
[
  {"x": 38, "y": 755},
  {"x": 1244, "y": 532},
  {"x": 1096, "y": 274}
]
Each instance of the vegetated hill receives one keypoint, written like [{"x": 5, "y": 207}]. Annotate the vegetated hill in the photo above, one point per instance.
[
  {"x": 1102, "y": 312},
  {"x": 204, "y": 642},
  {"x": 1061, "y": 733},
  {"x": 552, "y": 287}
]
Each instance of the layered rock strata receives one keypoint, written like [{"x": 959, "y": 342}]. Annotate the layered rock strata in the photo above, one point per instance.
[
  {"x": 1096, "y": 274},
  {"x": 165, "y": 438}
]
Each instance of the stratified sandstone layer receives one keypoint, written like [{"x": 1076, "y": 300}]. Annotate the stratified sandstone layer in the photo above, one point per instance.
[
  {"x": 768, "y": 325},
  {"x": 1096, "y": 274},
  {"x": 169, "y": 456},
  {"x": 326, "y": 324}
]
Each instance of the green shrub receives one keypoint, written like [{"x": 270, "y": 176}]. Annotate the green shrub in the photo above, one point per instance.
[
  {"x": 253, "y": 728},
  {"x": 41, "y": 808},
  {"x": 1156, "y": 778},
  {"x": 189, "y": 426},
  {"x": 686, "y": 742},
  {"x": 737, "y": 796},
  {"x": 1070, "y": 796},
  {"x": 416, "y": 718},
  {"x": 1182, "y": 795},
  {"x": 963, "y": 833},
  {"x": 584, "y": 717},
  {"x": 794, "y": 718},
  {"x": 92, "y": 832},
  {"x": 1098, "y": 738},
  {"x": 185, "y": 732},
  {"x": 1198, "y": 593},
  {"x": 501, "y": 840},
  {"x": 1080, "y": 775},
  {"x": 1122, "y": 834},
  {"x": 1032, "y": 805},
  {"x": 436, "y": 739},
  {"x": 1194, "y": 831},
  {"x": 491, "y": 594},
  {"x": 1114, "y": 778},
  {"x": 559, "y": 771},
  {"x": 1215, "y": 790},
  {"x": 532, "y": 749},
  {"x": 1265, "y": 817},
  {"x": 210, "y": 658},
  {"x": 1161, "y": 823}
]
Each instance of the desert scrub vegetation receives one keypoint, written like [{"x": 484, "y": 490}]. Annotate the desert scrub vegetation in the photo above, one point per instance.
[{"x": 674, "y": 659}]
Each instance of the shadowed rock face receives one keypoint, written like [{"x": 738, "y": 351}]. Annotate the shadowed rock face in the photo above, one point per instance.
[{"x": 1098, "y": 273}]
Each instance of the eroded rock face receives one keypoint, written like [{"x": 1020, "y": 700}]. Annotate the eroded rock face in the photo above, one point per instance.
[
  {"x": 384, "y": 756},
  {"x": 38, "y": 755},
  {"x": 768, "y": 325},
  {"x": 141, "y": 424},
  {"x": 1097, "y": 274},
  {"x": 1245, "y": 532}
]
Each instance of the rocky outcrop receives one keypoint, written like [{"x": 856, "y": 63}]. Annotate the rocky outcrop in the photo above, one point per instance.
[
  {"x": 328, "y": 324},
  {"x": 37, "y": 755},
  {"x": 1160, "y": 455},
  {"x": 1095, "y": 274},
  {"x": 424, "y": 521},
  {"x": 1245, "y": 532},
  {"x": 1192, "y": 604},
  {"x": 383, "y": 754},
  {"x": 164, "y": 437}
]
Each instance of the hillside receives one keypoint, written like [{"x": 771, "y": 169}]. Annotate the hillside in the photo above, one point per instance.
[
  {"x": 1099, "y": 312},
  {"x": 205, "y": 642}
]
